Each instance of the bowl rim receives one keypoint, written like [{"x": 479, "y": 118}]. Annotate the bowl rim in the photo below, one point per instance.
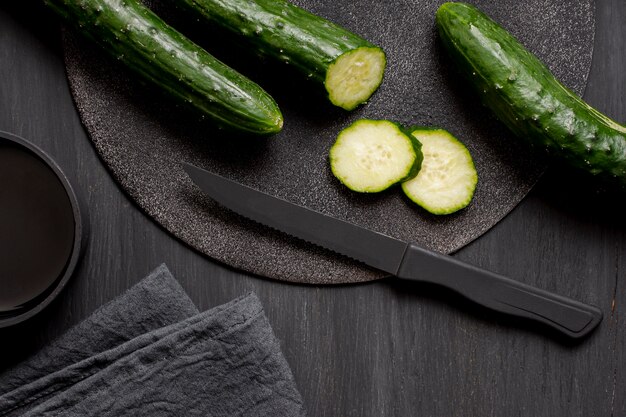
[{"x": 79, "y": 229}]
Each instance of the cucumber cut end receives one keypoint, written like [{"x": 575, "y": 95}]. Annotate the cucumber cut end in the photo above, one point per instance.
[
  {"x": 371, "y": 155},
  {"x": 447, "y": 179},
  {"x": 354, "y": 76}
]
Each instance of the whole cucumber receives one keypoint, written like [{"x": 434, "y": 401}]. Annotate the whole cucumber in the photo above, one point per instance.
[
  {"x": 348, "y": 66},
  {"x": 525, "y": 95},
  {"x": 136, "y": 36}
]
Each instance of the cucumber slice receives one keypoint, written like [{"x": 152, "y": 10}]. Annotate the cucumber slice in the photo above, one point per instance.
[
  {"x": 447, "y": 179},
  {"x": 372, "y": 155}
]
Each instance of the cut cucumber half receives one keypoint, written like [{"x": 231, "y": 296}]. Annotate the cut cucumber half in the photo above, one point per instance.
[
  {"x": 347, "y": 66},
  {"x": 447, "y": 178},
  {"x": 372, "y": 155}
]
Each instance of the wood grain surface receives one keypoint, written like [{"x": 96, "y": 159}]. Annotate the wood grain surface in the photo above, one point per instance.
[{"x": 377, "y": 349}]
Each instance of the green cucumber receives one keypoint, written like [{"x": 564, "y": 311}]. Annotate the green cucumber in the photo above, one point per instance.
[
  {"x": 159, "y": 54},
  {"x": 447, "y": 178},
  {"x": 526, "y": 96},
  {"x": 372, "y": 155},
  {"x": 349, "y": 67}
]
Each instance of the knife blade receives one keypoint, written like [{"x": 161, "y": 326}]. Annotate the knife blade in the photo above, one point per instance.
[{"x": 405, "y": 260}]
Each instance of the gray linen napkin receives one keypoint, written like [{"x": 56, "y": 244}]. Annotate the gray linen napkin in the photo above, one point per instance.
[{"x": 149, "y": 352}]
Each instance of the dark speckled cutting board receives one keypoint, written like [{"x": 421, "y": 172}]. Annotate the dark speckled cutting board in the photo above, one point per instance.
[{"x": 142, "y": 137}]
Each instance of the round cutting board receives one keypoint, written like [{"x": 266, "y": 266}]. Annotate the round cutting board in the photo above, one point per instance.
[{"x": 143, "y": 137}]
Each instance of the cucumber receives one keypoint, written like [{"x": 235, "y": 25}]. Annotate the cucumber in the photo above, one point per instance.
[
  {"x": 159, "y": 54},
  {"x": 447, "y": 178},
  {"x": 526, "y": 97},
  {"x": 371, "y": 155},
  {"x": 349, "y": 67}
]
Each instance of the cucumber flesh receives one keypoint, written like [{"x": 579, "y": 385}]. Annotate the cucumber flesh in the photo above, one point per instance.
[
  {"x": 354, "y": 76},
  {"x": 372, "y": 155},
  {"x": 447, "y": 178}
]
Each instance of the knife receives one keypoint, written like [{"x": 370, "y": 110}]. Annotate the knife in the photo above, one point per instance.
[{"x": 405, "y": 260}]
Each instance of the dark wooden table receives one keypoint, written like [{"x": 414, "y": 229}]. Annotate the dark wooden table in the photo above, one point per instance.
[{"x": 377, "y": 349}]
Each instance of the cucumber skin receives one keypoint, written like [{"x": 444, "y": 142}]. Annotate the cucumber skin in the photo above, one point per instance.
[
  {"x": 419, "y": 155},
  {"x": 523, "y": 93},
  {"x": 283, "y": 31},
  {"x": 158, "y": 53}
]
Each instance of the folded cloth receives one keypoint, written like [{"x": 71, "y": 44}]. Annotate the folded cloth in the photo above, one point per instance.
[
  {"x": 157, "y": 301},
  {"x": 149, "y": 352}
]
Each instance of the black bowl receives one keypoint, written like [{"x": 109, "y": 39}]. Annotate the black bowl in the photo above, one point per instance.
[{"x": 41, "y": 230}]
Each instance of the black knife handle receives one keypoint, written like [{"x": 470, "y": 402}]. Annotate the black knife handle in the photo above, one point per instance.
[{"x": 499, "y": 293}]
